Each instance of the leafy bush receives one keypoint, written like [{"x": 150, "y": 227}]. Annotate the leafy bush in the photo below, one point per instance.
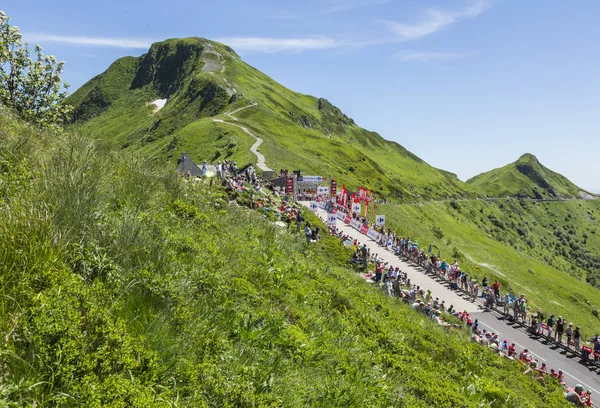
[
  {"x": 437, "y": 232},
  {"x": 33, "y": 88}
]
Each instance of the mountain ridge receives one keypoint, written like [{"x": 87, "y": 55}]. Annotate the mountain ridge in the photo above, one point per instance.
[
  {"x": 202, "y": 80},
  {"x": 528, "y": 178}
]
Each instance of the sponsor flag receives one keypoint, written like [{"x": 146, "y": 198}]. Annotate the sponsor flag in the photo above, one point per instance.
[
  {"x": 366, "y": 208},
  {"x": 362, "y": 194}
]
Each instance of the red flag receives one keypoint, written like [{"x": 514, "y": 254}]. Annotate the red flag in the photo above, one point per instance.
[
  {"x": 366, "y": 209},
  {"x": 363, "y": 194},
  {"x": 352, "y": 198}
]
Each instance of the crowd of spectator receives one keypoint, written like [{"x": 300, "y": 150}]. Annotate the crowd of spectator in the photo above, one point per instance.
[{"x": 396, "y": 282}]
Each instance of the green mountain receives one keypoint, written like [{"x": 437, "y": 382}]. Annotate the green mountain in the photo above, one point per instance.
[
  {"x": 203, "y": 81},
  {"x": 527, "y": 178}
]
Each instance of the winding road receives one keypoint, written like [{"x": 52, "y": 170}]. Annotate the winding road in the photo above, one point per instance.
[
  {"x": 575, "y": 373},
  {"x": 260, "y": 163}
]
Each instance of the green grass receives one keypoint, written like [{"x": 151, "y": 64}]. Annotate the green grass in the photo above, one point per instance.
[
  {"x": 121, "y": 285},
  {"x": 514, "y": 241}
]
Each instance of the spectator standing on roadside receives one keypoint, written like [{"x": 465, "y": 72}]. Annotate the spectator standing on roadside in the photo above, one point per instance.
[
  {"x": 496, "y": 287},
  {"x": 550, "y": 324},
  {"x": 569, "y": 334},
  {"x": 577, "y": 337},
  {"x": 560, "y": 329},
  {"x": 507, "y": 303},
  {"x": 365, "y": 256}
]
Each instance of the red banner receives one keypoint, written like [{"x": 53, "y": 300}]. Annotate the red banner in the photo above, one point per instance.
[
  {"x": 362, "y": 195},
  {"x": 366, "y": 209},
  {"x": 364, "y": 229},
  {"x": 333, "y": 188},
  {"x": 348, "y": 219},
  {"x": 289, "y": 185}
]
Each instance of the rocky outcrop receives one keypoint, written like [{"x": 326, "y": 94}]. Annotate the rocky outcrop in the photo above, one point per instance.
[
  {"x": 235, "y": 97},
  {"x": 166, "y": 66}
]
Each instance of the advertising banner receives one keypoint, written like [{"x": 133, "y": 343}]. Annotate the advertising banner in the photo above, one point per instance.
[
  {"x": 356, "y": 208},
  {"x": 331, "y": 219},
  {"x": 374, "y": 235},
  {"x": 348, "y": 219},
  {"x": 322, "y": 190},
  {"x": 364, "y": 229},
  {"x": 314, "y": 206},
  {"x": 355, "y": 224},
  {"x": 340, "y": 215},
  {"x": 333, "y": 188},
  {"x": 312, "y": 179},
  {"x": 289, "y": 185},
  {"x": 380, "y": 220}
]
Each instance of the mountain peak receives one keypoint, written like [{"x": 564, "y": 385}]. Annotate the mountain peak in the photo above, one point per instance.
[
  {"x": 528, "y": 158},
  {"x": 526, "y": 178}
]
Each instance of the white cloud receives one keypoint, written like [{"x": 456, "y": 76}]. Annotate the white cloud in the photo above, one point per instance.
[
  {"x": 437, "y": 19},
  {"x": 89, "y": 41},
  {"x": 272, "y": 45},
  {"x": 431, "y": 56},
  {"x": 345, "y": 5},
  {"x": 243, "y": 44}
]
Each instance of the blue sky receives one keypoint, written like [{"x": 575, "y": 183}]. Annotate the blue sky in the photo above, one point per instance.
[{"x": 467, "y": 85}]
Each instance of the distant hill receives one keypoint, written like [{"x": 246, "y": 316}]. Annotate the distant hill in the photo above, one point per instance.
[
  {"x": 203, "y": 80},
  {"x": 527, "y": 178}
]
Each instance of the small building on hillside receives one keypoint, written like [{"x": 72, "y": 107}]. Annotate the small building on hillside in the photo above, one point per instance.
[{"x": 186, "y": 165}]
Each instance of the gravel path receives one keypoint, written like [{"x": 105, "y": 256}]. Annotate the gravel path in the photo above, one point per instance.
[{"x": 261, "y": 163}]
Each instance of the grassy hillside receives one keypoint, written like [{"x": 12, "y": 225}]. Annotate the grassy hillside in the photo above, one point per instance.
[
  {"x": 526, "y": 177},
  {"x": 123, "y": 286},
  {"x": 544, "y": 250},
  {"x": 203, "y": 80}
]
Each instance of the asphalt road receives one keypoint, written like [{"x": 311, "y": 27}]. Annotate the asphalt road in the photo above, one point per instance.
[{"x": 575, "y": 372}]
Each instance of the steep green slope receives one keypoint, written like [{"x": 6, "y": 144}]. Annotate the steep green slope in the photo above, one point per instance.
[
  {"x": 526, "y": 177},
  {"x": 546, "y": 250},
  {"x": 203, "y": 80},
  {"x": 123, "y": 286}
]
